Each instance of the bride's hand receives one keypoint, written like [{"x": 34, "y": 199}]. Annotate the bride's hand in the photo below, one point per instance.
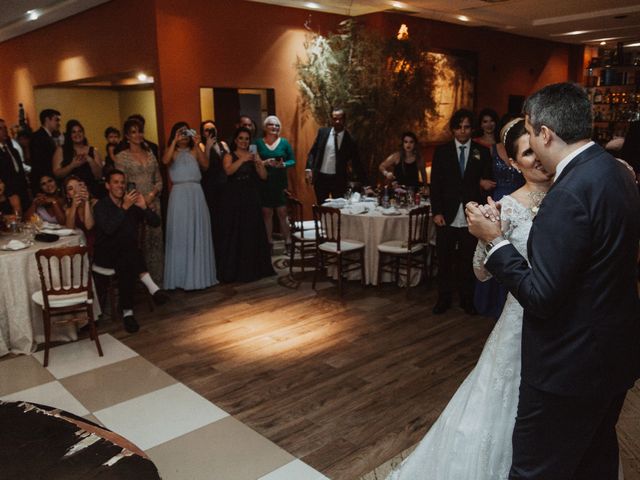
[{"x": 481, "y": 226}]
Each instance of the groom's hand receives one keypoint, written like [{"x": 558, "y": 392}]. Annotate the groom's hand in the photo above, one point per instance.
[{"x": 480, "y": 224}]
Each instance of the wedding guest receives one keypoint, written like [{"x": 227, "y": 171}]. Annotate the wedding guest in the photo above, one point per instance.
[
  {"x": 48, "y": 202},
  {"x": 245, "y": 254},
  {"x": 9, "y": 202},
  {"x": 329, "y": 158},
  {"x": 76, "y": 157},
  {"x": 247, "y": 122},
  {"x": 459, "y": 169},
  {"x": 277, "y": 155},
  {"x": 43, "y": 145},
  {"x": 489, "y": 297},
  {"x": 12, "y": 169},
  {"x": 403, "y": 166},
  {"x": 79, "y": 210},
  {"x": 112, "y": 135},
  {"x": 189, "y": 260},
  {"x": 140, "y": 166},
  {"x": 141, "y": 123},
  {"x": 214, "y": 180},
  {"x": 117, "y": 221}
]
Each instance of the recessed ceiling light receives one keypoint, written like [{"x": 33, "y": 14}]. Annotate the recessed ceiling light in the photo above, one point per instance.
[
  {"x": 399, "y": 5},
  {"x": 603, "y": 43},
  {"x": 311, "y": 5},
  {"x": 143, "y": 77},
  {"x": 33, "y": 15},
  {"x": 463, "y": 18}
]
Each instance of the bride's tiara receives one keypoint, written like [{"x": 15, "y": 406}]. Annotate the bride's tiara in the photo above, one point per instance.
[{"x": 507, "y": 127}]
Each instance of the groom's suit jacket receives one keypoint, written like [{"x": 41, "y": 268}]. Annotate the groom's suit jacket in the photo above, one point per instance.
[{"x": 581, "y": 327}]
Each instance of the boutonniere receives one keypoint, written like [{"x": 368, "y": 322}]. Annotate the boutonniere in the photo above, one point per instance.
[{"x": 475, "y": 154}]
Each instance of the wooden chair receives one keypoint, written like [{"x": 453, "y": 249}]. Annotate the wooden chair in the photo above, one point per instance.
[
  {"x": 409, "y": 254},
  {"x": 303, "y": 240},
  {"x": 331, "y": 249},
  {"x": 67, "y": 288}
]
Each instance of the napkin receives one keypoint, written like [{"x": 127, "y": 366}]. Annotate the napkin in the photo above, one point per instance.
[
  {"x": 355, "y": 197},
  {"x": 63, "y": 232},
  {"x": 16, "y": 245}
]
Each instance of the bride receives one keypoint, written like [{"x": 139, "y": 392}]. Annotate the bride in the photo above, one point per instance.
[{"x": 472, "y": 437}]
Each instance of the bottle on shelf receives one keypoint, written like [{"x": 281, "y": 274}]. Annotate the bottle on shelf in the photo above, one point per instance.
[{"x": 597, "y": 96}]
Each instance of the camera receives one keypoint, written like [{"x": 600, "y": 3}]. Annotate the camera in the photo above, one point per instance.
[
  {"x": 131, "y": 186},
  {"x": 189, "y": 132}
]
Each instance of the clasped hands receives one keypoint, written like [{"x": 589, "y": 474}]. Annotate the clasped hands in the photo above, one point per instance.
[{"x": 484, "y": 220}]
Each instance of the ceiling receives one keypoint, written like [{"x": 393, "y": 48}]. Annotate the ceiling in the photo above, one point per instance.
[{"x": 611, "y": 21}]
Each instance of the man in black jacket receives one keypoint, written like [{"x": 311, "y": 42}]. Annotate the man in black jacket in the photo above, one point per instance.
[
  {"x": 460, "y": 173},
  {"x": 328, "y": 161},
  {"x": 11, "y": 168},
  {"x": 42, "y": 145},
  {"x": 117, "y": 217},
  {"x": 581, "y": 325}
]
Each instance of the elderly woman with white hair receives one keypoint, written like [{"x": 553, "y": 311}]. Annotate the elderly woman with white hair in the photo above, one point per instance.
[{"x": 278, "y": 157}]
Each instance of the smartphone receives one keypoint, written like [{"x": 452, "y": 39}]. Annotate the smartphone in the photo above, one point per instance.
[
  {"x": 131, "y": 186},
  {"x": 253, "y": 148}
]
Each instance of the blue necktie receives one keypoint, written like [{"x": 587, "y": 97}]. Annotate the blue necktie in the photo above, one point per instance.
[{"x": 461, "y": 159}]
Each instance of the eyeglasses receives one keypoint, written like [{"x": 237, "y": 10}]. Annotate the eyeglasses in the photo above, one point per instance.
[{"x": 273, "y": 125}]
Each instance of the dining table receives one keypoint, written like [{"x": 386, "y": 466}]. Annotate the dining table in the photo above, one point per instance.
[
  {"x": 21, "y": 326},
  {"x": 372, "y": 224}
]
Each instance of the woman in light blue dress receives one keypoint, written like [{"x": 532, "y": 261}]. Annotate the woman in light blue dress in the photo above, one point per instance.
[{"x": 189, "y": 260}]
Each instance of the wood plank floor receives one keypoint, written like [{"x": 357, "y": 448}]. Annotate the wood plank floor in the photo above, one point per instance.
[{"x": 344, "y": 384}]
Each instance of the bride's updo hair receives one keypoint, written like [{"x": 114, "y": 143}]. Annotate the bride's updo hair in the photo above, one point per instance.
[{"x": 510, "y": 134}]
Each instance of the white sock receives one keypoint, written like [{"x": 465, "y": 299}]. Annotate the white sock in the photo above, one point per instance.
[
  {"x": 127, "y": 313},
  {"x": 149, "y": 283}
]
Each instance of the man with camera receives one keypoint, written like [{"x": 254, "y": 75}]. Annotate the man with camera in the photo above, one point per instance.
[{"x": 118, "y": 217}]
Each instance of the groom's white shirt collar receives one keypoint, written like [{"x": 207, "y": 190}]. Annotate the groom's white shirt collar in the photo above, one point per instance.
[{"x": 565, "y": 161}]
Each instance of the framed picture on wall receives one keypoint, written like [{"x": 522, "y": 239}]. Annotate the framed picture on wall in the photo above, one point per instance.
[{"x": 454, "y": 88}]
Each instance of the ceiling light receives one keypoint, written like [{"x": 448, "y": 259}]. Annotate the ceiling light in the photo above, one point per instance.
[
  {"x": 311, "y": 5},
  {"x": 143, "y": 77},
  {"x": 463, "y": 18},
  {"x": 575, "y": 32},
  {"x": 633, "y": 44},
  {"x": 33, "y": 15},
  {"x": 603, "y": 43},
  {"x": 398, "y": 5}
]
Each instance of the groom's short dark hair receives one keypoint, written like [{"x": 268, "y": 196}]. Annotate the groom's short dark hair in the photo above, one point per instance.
[{"x": 562, "y": 107}]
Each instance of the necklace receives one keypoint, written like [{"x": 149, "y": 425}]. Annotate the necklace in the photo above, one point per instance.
[{"x": 535, "y": 201}]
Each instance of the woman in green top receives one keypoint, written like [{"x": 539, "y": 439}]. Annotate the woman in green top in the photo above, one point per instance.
[{"x": 278, "y": 157}]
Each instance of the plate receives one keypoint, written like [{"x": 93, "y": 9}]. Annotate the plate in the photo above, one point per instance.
[
  {"x": 62, "y": 232},
  {"x": 7, "y": 249}
]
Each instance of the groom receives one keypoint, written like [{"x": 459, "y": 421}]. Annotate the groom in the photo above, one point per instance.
[{"x": 581, "y": 326}]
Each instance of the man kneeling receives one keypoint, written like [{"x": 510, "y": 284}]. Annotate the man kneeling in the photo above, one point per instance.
[{"x": 117, "y": 218}]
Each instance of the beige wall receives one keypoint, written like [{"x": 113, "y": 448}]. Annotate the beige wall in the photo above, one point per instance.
[
  {"x": 95, "y": 109},
  {"x": 98, "y": 109}
]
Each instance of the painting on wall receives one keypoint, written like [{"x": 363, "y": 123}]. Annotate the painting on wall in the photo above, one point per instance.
[{"x": 454, "y": 88}]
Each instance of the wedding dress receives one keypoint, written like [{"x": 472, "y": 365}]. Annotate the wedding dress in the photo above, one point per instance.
[{"x": 472, "y": 437}]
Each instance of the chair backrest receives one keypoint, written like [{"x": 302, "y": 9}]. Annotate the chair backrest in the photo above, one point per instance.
[
  {"x": 418, "y": 223},
  {"x": 64, "y": 271},
  {"x": 295, "y": 212},
  {"x": 327, "y": 223}
]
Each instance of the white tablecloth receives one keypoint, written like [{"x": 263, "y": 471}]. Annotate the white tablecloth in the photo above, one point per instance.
[
  {"x": 373, "y": 228},
  {"x": 21, "y": 327}
]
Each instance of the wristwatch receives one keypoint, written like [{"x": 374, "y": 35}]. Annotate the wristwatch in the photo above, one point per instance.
[{"x": 493, "y": 243}]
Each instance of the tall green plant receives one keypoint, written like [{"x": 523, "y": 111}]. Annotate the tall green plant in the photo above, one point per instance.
[{"x": 384, "y": 84}]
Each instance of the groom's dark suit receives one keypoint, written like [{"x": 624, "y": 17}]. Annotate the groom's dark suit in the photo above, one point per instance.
[{"x": 581, "y": 327}]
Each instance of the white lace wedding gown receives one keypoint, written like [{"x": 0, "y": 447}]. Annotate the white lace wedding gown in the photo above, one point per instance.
[{"x": 472, "y": 437}]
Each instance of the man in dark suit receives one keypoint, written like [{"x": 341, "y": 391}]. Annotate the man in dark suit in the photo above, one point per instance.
[
  {"x": 581, "y": 326},
  {"x": 328, "y": 161},
  {"x": 11, "y": 168},
  {"x": 460, "y": 172},
  {"x": 42, "y": 145}
]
